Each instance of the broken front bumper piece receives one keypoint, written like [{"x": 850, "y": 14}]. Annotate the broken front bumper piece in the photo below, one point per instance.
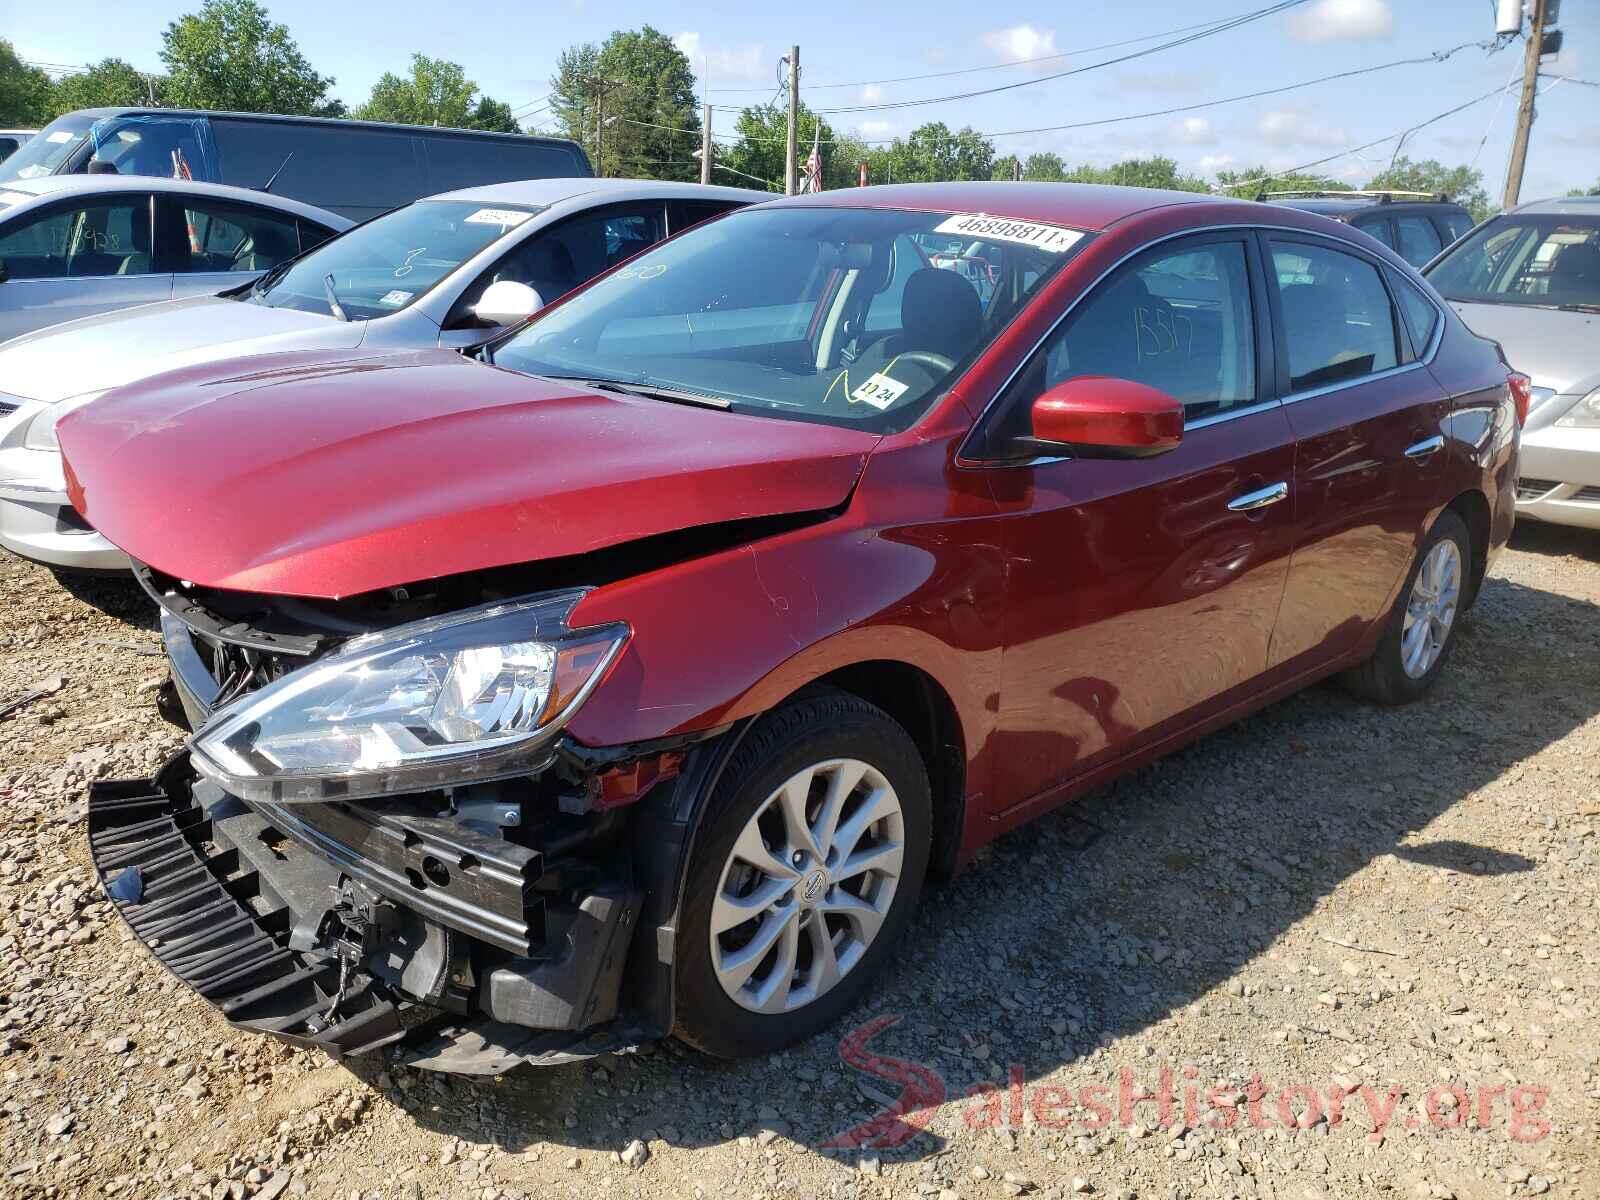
[{"x": 348, "y": 928}]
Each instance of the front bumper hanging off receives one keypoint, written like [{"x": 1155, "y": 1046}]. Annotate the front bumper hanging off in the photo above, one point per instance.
[{"x": 355, "y": 930}]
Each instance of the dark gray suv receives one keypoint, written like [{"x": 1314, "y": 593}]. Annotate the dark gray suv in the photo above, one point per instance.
[{"x": 1415, "y": 225}]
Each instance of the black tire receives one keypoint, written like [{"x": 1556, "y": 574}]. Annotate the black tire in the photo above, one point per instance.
[
  {"x": 816, "y": 726},
  {"x": 1383, "y": 678}
]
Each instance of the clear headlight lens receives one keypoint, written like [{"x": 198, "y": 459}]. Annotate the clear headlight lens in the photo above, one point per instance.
[
  {"x": 41, "y": 431},
  {"x": 462, "y": 698},
  {"x": 1585, "y": 414}
]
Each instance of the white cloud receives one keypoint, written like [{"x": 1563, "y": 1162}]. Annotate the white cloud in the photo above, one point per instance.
[
  {"x": 1290, "y": 127},
  {"x": 1342, "y": 21},
  {"x": 872, "y": 94},
  {"x": 1212, "y": 163},
  {"x": 1195, "y": 131},
  {"x": 1021, "y": 42},
  {"x": 724, "y": 62}
]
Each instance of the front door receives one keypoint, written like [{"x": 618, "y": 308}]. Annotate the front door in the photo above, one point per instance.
[
  {"x": 1369, "y": 421},
  {"x": 1143, "y": 593}
]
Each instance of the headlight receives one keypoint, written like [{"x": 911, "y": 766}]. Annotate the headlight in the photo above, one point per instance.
[
  {"x": 457, "y": 699},
  {"x": 1585, "y": 414},
  {"x": 41, "y": 431}
]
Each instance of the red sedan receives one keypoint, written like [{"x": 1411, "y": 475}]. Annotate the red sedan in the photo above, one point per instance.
[{"x": 631, "y": 674}]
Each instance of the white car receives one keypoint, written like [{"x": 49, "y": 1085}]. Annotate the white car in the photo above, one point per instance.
[
  {"x": 448, "y": 270},
  {"x": 75, "y": 245}
]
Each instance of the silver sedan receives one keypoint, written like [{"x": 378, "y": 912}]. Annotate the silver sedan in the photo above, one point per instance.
[
  {"x": 445, "y": 271},
  {"x": 1530, "y": 279}
]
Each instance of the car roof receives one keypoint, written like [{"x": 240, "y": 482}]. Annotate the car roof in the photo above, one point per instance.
[
  {"x": 545, "y": 192},
  {"x": 1566, "y": 206},
  {"x": 297, "y": 119},
  {"x": 51, "y": 186},
  {"x": 1089, "y": 206},
  {"x": 1338, "y": 206}
]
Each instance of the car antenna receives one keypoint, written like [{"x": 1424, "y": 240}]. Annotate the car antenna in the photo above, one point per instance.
[{"x": 273, "y": 178}]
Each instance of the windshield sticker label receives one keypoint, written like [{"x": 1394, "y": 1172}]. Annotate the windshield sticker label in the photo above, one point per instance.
[
  {"x": 504, "y": 217},
  {"x": 879, "y": 391},
  {"x": 1051, "y": 238},
  {"x": 60, "y": 135},
  {"x": 395, "y": 298}
]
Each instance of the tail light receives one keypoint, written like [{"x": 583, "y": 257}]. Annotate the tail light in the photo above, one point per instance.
[{"x": 1521, "y": 394}]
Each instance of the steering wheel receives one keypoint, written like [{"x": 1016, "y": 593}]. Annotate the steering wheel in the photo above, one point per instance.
[{"x": 928, "y": 360}]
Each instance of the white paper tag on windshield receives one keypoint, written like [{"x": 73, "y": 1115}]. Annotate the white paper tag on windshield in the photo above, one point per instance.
[
  {"x": 506, "y": 217},
  {"x": 879, "y": 391},
  {"x": 60, "y": 135},
  {"x": 395, "y": 298},
  {"x": 1050, "y": 238}
]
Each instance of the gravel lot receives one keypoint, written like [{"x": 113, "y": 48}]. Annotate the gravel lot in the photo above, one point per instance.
[{"x": 1327, "y": 896}]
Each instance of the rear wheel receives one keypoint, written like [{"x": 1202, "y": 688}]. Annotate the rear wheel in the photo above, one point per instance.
[
  {"x": 805, "y": 873},
  {"x": 1422, "y": 626}
]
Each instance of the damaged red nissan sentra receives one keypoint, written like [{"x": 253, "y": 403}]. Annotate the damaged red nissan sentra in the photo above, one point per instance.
[{"x": 630, "y": 677}]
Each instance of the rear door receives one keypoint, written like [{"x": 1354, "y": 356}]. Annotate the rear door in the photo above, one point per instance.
[
  {"x": 212, "y": 245},
  {"x": 1369, "y": 425},
  {"x": 76, "y": 258},
  {"x": 1143, "y": 593}
]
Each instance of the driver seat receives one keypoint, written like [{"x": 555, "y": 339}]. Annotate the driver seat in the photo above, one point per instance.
[{"x": 940, "y": 313}]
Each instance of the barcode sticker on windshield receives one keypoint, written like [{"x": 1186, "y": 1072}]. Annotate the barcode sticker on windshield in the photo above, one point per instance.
[
  {"x": 879, "y": 391},
  {"x": 1050, "y": 238},
  {"x": 395, "y": 298},
  {"x": 506, "y": 217}
]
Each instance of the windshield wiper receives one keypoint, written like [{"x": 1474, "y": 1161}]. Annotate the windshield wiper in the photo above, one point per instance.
[
  {"x": 1583, "y": 306},
  {"x": 650, "y": 391},
  {"x": 274, "y": 273},
  {"x": 333, "y": 297}
]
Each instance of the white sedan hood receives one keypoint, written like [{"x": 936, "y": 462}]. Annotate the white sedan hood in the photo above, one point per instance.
[{"x": 116, "y": 348}]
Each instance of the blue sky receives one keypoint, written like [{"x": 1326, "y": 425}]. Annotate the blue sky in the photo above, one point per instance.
[{"x": 511, "y": 54}]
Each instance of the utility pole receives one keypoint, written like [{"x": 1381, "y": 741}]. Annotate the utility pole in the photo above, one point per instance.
[
  {"x": 705, "y": 146},
  {"x": 1530, "y": 86},
  {"x": 791, "y": 170}
]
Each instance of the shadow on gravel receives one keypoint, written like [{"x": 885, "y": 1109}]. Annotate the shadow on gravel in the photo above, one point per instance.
[
  {"x": 114, "y": 593},
  {"x": 1538, "y": 537},
  {"x": 1048, "y": 947}
]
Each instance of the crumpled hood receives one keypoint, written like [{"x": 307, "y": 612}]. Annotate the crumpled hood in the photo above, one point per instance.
[
  {"x": 325, "y": 474},
  {"x": 1556, "y": 349},
  {"x": 106, "y": 351}
]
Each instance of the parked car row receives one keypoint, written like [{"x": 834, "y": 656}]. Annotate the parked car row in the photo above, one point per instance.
[{"x": 626, "y": 669}]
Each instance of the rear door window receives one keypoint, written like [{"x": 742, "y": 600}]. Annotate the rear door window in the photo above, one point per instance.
[
  {"x": 1338, "y": 321},
  {"x": 220, "y": 236},
  {"x": 683, "y": 213},
  {"x": 1377, "y": 227},
  {"x": 1454, "y": 224},
  {"x": 107, "y": 237},
  {"x": 1419, "y": 241}
]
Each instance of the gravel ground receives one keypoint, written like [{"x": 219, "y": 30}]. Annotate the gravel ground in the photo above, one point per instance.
[{"x": 1395, "y": 909}]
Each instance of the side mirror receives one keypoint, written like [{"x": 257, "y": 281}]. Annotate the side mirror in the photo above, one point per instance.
[
  {"x": 505, "y": 302},
  {"x": 1097, "y": 416}
]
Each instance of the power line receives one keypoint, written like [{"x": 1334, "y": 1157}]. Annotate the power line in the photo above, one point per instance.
[
  {"x": 1570, "y": 79},
  {"x": 1021, "y": 62},
  {"x": 1209, "y": 31}
]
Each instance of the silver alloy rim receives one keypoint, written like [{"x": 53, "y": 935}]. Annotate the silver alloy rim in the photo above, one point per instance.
[
  {"x": 807, "y": 886},
  {"x": 1431, "y": 609}
]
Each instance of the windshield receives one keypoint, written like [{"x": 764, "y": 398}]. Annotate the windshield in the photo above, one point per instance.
[
  {"x": 381, "y": 267},
  {"x": 1550, "y": 261},
  {"x": 834, "y": 315},
  {"x": 43, "y": 153}
]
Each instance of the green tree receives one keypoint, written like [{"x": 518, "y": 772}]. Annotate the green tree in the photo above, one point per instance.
[
  {"x": 1045, "y": 166},
  {"x": 110, "y": 82},
  {"x": 24, "y": 91},
  {"x": 230, "y": 55},
  {"x": 1464, "y": 185},
  {"x": 932, "y": 153},
  {"x": 1158, "y": 171},
  {"x": 435, "y": 93},
  {"x": 634, "y": 95},
  {"x": 1589, "y": 191},
  {"x": 761, "y": 149},
  {"x": 1006, "y": 168}
]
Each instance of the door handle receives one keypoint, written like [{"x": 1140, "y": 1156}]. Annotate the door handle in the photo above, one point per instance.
[
  {"x": 1251, "y": 501},
  {"x": 1425, "y": 449}
]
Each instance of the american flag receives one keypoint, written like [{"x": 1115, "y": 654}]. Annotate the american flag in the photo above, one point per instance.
[{"x": 811, "y": 173}]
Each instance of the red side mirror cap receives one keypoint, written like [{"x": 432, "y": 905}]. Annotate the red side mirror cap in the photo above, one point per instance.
[{"x": 1097, "y": 416}]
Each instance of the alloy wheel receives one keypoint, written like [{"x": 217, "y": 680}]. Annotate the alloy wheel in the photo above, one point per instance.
[
  {"x": 1431, "y": 609},
  {"x": 807, "y": 886}
]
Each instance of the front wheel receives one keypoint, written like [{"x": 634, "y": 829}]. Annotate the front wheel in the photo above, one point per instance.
[
  {"x": 1422, "y": 625},
  {"x": 807, "y": 869}
]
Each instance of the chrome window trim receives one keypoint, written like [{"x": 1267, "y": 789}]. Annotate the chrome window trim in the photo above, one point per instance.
[{"x": 962, "y": 457}]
